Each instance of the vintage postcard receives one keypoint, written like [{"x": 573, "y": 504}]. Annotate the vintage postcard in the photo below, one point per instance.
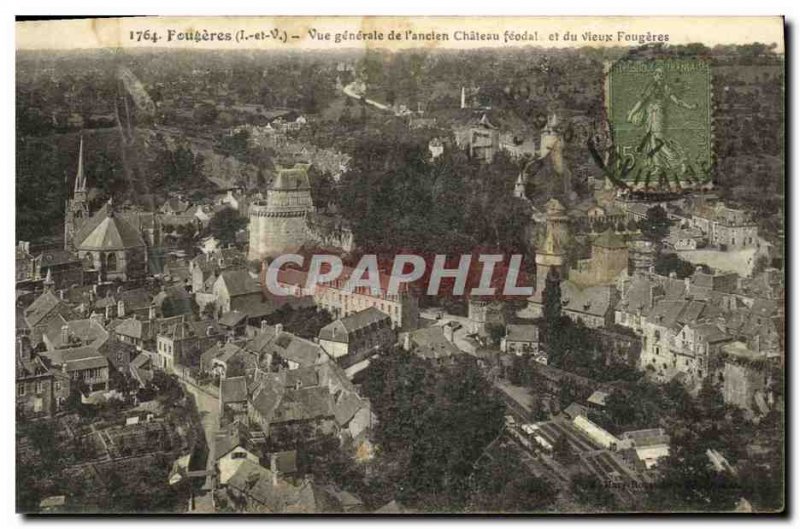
[{"x": 388, "y": 265}]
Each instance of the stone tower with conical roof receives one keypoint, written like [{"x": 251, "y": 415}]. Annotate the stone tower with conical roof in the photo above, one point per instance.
[
  {"x": 552, "y": 252},
  {"x": 278, "y": 223},
  {"x": 76, "y": 211}
]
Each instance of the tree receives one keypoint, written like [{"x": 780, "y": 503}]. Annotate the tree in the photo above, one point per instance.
[
  {"x": 667, "y": 263},
  {"x": 589, "y": 491},
  {"x": 655, "y": 226},
  {"x": 433, "y": 425},
  {"x": 689, "y": 483},
  {"x": 303, "y": 322},
  {"x": 500, "y": 484},
  {"x": 236, "y": 367},
  {"x": 225, "y": 224},
  {"x": 496, "y": 332},
  {"x": 562, "y": 451},
  {"x": 205, "y": 114},
  {"x": 209, "y": 311},
  {"x": 552, "y": 299}
]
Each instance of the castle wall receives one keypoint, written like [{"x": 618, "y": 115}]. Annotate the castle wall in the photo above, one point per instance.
[
  {"x": 740, "y": 384},
  {"x": 602, "y": 268}
]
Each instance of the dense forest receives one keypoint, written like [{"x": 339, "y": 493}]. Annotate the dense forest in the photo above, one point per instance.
[{"x": 199, "y": 93}]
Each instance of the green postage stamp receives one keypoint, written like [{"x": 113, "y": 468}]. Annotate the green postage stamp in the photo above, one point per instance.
[{"x": 660, "y": 116}]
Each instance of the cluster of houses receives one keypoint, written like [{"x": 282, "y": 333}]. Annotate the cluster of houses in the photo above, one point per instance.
[{"x": 711, "y": 325}]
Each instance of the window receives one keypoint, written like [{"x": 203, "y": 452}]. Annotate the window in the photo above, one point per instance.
[
  {"x": 20, "y": 389},
  {"x": 39, "y": 386}
]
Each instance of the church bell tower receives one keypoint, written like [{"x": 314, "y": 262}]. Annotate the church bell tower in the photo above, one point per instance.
[{"x": 77, "y": 208}]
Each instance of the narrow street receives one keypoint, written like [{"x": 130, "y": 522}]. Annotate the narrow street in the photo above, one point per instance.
[{"x": 208, "y": 408}]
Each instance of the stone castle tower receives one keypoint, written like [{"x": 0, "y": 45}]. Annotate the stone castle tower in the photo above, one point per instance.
[
  {"x": 641, "y": 257},
  {"x": 278, "y": 223},
  {"x": 552, "y": 253},
  {"x": 552, "y": 145},
  {"x": 77, "y": 208},
  {"x": 609, "y": 259}
]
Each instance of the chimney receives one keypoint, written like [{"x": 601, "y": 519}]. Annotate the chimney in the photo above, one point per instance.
[
  {"x": 23, "y": 349},
  {"x": 108, "y": 312},
  {"x": 120, "y": 309},
  {"x": 673, "y": 275},
  {"x": 209, "y": 330},
  {"x": 151, "y": 313},
  {"x": 264, "y": 325},
  {"x": 278, "y": 328},
  {"x": 65, "y": 334},
  {"x": 448, "y": 332},
  {"x": 407, "y": 341}
]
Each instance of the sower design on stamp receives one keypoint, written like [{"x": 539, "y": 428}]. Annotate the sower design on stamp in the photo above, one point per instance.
[{"x": 660, "y": 117}]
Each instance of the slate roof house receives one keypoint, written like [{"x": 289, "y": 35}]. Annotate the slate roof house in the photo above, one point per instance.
[
  {"x": 320, "y": 396},
  {"x": 357, "y": 336},
  {"x": 40, "y": 390},
  {"x": 274, "y": 346},
  {"x": 260, "y": 490}
]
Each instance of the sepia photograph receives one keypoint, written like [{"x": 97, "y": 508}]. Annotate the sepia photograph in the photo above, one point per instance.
[{"x": 400, "y": 265}]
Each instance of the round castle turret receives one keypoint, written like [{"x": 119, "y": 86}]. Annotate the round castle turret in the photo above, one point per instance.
[
  {"x": 552, "y": 253},
  {"x": 278, "y": 223}
]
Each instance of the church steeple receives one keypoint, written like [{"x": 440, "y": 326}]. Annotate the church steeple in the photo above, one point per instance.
[
  {"x": 77, "y": 208},
  {"x": 80, "y": 178},
  {"x": 48, "y": 281},
  {"x": 519, "y": 186}
]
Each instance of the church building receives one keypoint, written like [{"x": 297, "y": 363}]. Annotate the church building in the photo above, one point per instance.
[{"x": 105, "y": 241}]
